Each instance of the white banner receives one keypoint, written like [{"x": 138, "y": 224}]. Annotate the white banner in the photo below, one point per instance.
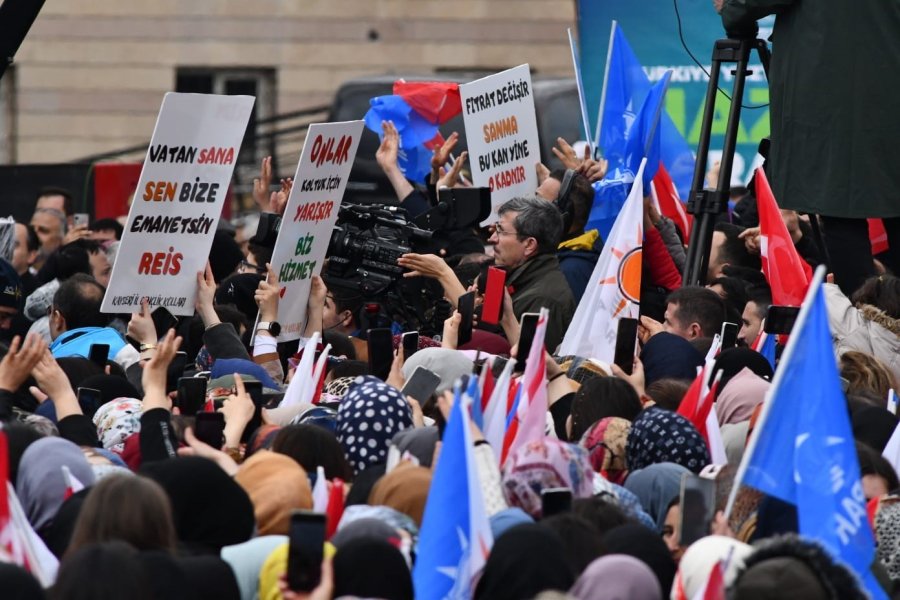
[
  {"x": 309, "y": 217},
  {"x": 502, "y": 135},
  {"x": 178, "y": 201}
]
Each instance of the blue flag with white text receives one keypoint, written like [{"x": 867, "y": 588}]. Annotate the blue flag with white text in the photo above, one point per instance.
[
  {"x": 641, "y": 140},
  {"x": 805, "y": 452},
  {"x": 455, "y": 537}
]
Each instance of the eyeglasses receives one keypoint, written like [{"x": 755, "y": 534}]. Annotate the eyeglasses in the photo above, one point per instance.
[
  {"x": 499, "y": 231},
  {"x": 247, "y": 266}
]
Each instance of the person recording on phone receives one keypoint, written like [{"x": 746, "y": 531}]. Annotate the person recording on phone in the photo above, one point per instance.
[{"x": 833, "y": 119}]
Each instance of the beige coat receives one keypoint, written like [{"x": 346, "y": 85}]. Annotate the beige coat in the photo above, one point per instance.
[{"x": 865, "y": 329}]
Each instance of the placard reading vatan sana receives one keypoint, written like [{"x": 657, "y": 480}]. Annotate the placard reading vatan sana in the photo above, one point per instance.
[
  {"x": 178, "y": 201},
  {"x": 502, "y": 135},
  {"x": 309, "y": 217}
]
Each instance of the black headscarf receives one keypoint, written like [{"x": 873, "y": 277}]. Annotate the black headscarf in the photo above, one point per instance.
[
  {"x": 525, "y": 561},
  {"x": 732, "y": 361},
  {"x": 370, "y": 568},
  {"x": 645, "y": 545},
  {"x": 210, "y": 509},
  {"x": 872, "y": 425},
  {"x": 668, "y": 355},
  {"x": 225, "y": 255},
  {"x": 19, "y": 584}
]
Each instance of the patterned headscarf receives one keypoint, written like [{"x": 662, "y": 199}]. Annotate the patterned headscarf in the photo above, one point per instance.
[
  {"x": 116, "y": 421},
  {"x": 370, "y": 415},
  {"x": 539, "y": 465},
  {"x": 887, "y": 532},
  {"x": 605, "y": 443},
  {"x": 339, "y": 387},
  {"x": 659, "y": 435}
]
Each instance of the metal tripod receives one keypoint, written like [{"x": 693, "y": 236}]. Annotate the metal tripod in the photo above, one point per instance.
[{"x": 705, "y": 204}]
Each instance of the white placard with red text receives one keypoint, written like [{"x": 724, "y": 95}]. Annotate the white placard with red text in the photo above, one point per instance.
[
  {"x": 178, "y": 202},
  {"x": 309, "y": 217},
  {"x": 502, "y": 135}
]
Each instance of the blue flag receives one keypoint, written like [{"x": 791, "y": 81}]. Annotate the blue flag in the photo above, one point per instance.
[
  {"x": 804, "y": 452},
  {"x": 641, "y": 140},
  {"x": 414, "y": 158},
  {"x": 455, "y": 537},
  {"x": 768, "y": 349},
  {"x": 627, "y": 85}
]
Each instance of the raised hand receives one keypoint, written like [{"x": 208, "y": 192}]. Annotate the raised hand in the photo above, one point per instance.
[
  {"x": 19, "y": 361},
  {"x": 261, "y": 185}
]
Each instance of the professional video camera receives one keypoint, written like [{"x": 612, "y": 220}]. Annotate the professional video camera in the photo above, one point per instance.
[
  {"x": 367, "y": 241},
  {"x": 362, "y": 262}
]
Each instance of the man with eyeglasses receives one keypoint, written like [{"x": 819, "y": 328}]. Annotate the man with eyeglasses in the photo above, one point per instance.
[{"x": 525, "y": 240}]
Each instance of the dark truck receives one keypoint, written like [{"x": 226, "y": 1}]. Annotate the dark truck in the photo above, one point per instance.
[{"x": 555, "y": 102}]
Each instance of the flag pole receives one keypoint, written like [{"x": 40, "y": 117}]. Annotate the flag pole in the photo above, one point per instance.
[
  {"x": 579, "y": 84},
  {"x": 815, "y": 284},
  {"x": 612, "y": 36}
]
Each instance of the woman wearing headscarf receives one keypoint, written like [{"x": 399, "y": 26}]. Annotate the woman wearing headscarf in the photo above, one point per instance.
[
  {"x": 524, "y": 561},
  {"x": 740, "y": 396},
  {"x": 370, "y": 415},
  {"x": 645, "y": 545},
  {"x": 666, "y": 355},
  {"x": 658, "y": 435},
  {"x": 655, "y": 486},
  {"x": 404, "y": 489},
  {"x": 600, "y": 398},
  {"x": 545, "y": 464},
  {"x": 699, "y": 560},
  {"x": 617, "y": 577},
  {"x": 605, "y": 443},
  {"x": 42, "y": 481},
  {"x": 276, "y": 485},
  {"x": 367, "y": 568},
  {"x": 734, "y": 360}
]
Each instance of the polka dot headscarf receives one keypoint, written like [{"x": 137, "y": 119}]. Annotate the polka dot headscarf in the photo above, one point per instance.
[
  {"x": 369, "y": 416},
  {"x": 659, "y": 435}
]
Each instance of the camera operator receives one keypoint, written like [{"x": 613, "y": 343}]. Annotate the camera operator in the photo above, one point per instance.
[{"x": 834, "y": 119}]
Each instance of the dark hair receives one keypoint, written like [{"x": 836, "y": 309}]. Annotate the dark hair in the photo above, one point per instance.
[
  {"x": 536, "y": 218},
  {"x": 261, "y": 255},
  {"x": 69, "y": 260},
  {"x": 668, "y": 392},
  {"x": 581, "y": 198},
  {"x": 340, "y": 344},
  {"x": 228, "y": 313},
  {"x": 108, "y": 225},
  {"x": 733, "y": 250},
  {"x": 603, "y": 512},
  {"x": 735, "y": 289},
  {"x": 32, "y": 241},
  {"x": 580, "y": 539},
  {"x": 18, "y": 437},
  {"x": 347, "y": 301},
  {"x": 699, "y": 305},
  {"x": 349, "y": 368},
  {"x": 599, "y": 398},
  {"x": 109, "y": 571},
  {"x": 761, "y": 296},
  {"x": 68, "y": 202},
  {"x": 128, "y": 508},
  {"x": 78, "y": 369},
  {"x": 873, "y": 463},
  {"x": 78, "y": 300},
  {"x": 749, "y": 275},
  {"x": 312, "y": 447},
  {"x": 882, "y": 292}
]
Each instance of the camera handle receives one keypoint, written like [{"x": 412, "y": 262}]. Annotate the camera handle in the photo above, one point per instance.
[{"x": 705, "y": 204}]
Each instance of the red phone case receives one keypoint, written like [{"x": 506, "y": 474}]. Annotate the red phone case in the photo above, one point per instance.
[{"x": 493, "y": 296}]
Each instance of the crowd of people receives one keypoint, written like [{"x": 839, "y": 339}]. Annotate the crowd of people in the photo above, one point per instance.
[{"x": 132, "y": 504}]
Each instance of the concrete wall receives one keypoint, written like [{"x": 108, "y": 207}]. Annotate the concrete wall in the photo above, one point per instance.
[{"x": 91, "y": 74}]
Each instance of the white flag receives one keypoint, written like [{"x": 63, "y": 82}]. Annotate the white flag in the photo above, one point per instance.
[{"x": 614, "y": 290}]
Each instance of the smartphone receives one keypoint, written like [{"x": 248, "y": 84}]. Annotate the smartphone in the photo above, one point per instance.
[
  {"x": 163, "y": 321},
  {"x": 626, "y": 338},
  {"x": 697, "y": 504},
  {"x": 497, "y": 366},
  {"x": 306, "y": 537},
  {"x": 729, "y": 335},
  {"x": 90, "y": 400},
  {"x": 381, "y": 352},
  {"x": 254, "y": 389},
  {"x": 98, "y": 354},
  {"x": 81, "y": 219},
  {"x": 780, "y": 319},
  {"x": 410, "y": 343},
  {"x": 466, "y": 307},
  {"x": 190, "y": 395},
  {"x": 527, "y": 327},
  {"x": 421, "y": 384},
  {"x": 209, "y": 427},
  {"x": 555, "y": 501},
  {"x": 493, "y": 295}
]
